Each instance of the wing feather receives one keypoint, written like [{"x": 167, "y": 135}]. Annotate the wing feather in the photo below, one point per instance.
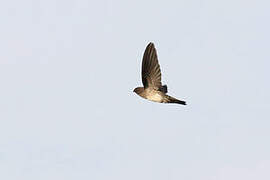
[{"x": 151, "y": 74}]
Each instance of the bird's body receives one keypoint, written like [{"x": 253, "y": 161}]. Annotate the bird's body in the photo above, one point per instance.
[
  {"x": 151, "y": 78},
  {"x": 151, "y": 94}
]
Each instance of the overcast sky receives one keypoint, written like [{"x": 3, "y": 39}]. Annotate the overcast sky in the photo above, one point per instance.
[{"x": 68, "y": 69}]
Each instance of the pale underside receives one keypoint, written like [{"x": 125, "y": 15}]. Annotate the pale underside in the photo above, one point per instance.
[{"x": 152, "y": 95}]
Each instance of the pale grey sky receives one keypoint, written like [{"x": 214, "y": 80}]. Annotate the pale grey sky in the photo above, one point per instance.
[{"x": 68, "y": 68}]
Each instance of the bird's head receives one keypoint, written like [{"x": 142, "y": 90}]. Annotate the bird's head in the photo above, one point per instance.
[{"x": 138, "y": 90}]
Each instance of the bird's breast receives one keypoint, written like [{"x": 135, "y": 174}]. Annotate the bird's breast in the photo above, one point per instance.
[{"x": 154, "y": 96}]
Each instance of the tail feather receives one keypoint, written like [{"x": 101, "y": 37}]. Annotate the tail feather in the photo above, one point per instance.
[{"x": 169, "y": 99}]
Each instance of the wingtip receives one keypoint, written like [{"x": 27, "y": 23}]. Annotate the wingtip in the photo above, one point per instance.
[{"x": 151, "y": 44}]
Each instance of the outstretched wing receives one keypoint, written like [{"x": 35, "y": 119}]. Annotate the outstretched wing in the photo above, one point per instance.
[{"x": 151, "y": 75}]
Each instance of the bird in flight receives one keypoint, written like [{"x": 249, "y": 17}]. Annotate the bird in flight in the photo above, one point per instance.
[{"x": 152, "y": 88}]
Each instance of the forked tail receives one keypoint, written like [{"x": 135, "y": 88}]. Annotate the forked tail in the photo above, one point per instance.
[{"x": 169, "y": 99}]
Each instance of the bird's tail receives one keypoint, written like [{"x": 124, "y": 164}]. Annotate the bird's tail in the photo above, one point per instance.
[{"x": 169, "y": 99}]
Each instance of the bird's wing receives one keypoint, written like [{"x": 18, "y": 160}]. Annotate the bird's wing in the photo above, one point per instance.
[{"x": 151, "y": 75}]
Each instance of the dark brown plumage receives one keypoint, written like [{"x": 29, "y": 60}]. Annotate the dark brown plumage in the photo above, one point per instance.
[{"x": 151, "y": 79}]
